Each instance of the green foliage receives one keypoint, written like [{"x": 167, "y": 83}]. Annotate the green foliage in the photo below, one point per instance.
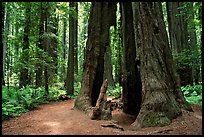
[
  {"x": 116, "y": 92},
  {"x": 77, "y": 87},
  {"x": 188, "y": 59},
  {"x": 193, "y": 94},
  {"x": 17, "y": 101}
]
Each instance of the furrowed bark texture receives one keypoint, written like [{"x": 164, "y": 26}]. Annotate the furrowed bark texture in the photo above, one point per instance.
[
  {"x": 131, "y": 79},
  {"x": 102, "y": 16},
  {"x": 162, "y": 98}
]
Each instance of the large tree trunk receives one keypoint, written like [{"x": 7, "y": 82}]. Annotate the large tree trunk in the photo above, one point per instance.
[
  {"x": 131, "y": 80},
  {"x": 24, "y": 71},
  {"x": 102, "y": 16},
  {"x": 162, "y": 98}
]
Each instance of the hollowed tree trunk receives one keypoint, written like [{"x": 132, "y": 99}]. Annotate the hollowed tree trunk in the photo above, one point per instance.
[
  {"x": 102, "y": 16},
  {"x": 131, "y": 80},
  {"x": 162, "y": 98}
]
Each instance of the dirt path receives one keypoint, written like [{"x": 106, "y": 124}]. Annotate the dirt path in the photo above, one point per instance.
[{"x": 60, "y": 118}]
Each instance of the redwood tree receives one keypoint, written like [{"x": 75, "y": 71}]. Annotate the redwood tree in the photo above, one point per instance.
[
  {"x": 70, "y": 70},
  {"x": 131, "y": 80},
  {"x": 162, "y": 98},
  {"x": 39, "y": 44},
  {"x": 102, "y": 16}
]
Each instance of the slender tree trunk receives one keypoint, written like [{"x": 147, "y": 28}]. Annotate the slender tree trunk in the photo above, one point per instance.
[
  {"x": 70, "y": 69},
  {"x": 193, "y": 42},
  {"x": 46, "y": 44},
  {"x": 40, "y": 46},
  {"x": 202, "y": 49},
  {"x": 178, "y": 37},
  {"x": 24, "y": 80},
  {"x": 16, "y": 43},
  {"x": 63, "y": 77},
  {"x": 3, "y": 42},
  {"x": 52, "y": 44},
  {"x": 85, "y": 27},
  {"x": 131, "y": 80},
  {"x": 6, "y": 46},
  {"x": 98, "y": 40},
  {"x": 174, "y": 26},
  {"x": 76, "y": 39},
  {"x": 162, "y": 98},
  {"x": 120, "y": 45}
]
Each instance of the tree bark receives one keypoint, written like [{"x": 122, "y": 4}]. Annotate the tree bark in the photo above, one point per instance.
[
  {"x": 45, "y": 47},
  {"x": 193, "y": 43},
  {"x": 102, "y": 16},
  {"x": 131, "y": 80},
  {"x": 63, "y": 77},
  {"x": 202, "y": 49},
  {"x": 40, "y": 46},
  {"x": 162, "y": 98},
  {"x": 70, "y": 69},
  {"x": 108, "y": 67},
  {"x": 174, "y": 26},
  {"x": 76, "y": 39}
]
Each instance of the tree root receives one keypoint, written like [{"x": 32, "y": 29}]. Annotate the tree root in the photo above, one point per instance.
[
  {"x": 160, "y": 131},
  {"x": 112, "y": 125}
]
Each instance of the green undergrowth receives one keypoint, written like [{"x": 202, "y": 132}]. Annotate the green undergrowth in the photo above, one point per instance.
[
  {"x": 17, "y": 101},
  {"x": 114, "y": 91},
  {"x": 193, "y": 93}
]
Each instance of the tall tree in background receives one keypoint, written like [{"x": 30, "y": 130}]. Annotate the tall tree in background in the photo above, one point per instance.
[
  {"x": 131, "y": 80},
  {"x": 193, "y": 40},
  {"x": 76, "y": 38},
  {"x": 70, "y": 69},
  {"x": 3, "y": 42},
  {"x": 179, "y": 38},
  {"x": 162, "y": 98},
  {"x": 40, "y": 46},
  {"x": 201, "y": 36},
  {"x": 52, "y": 40},
  {"x": 46, "y": 43},
  {"x": 64, "y": 48},
  {"x": 25, "y": 55},
  {"x": 102, "y": 16}
]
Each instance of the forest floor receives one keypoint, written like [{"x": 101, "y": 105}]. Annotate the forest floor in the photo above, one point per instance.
[{"x": 60, "y": 118}]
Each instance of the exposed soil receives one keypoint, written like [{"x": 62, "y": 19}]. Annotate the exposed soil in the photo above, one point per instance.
[{"x": 62, "y": 119}]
